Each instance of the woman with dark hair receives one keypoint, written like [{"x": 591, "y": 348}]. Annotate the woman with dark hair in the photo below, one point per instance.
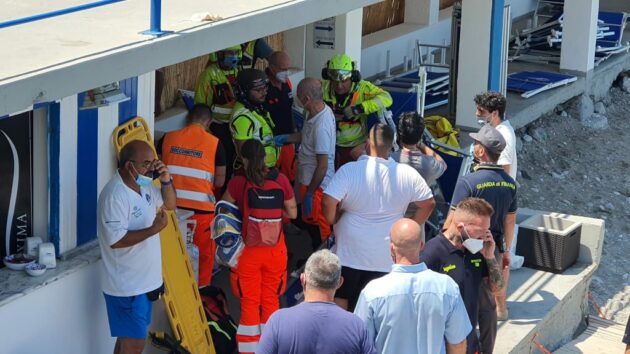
[
  {"x": 264, "y": 197},
  {"x": 414, "y": 153}
]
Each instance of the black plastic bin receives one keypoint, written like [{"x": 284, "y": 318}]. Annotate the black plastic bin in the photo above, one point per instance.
[{"x": 549, "y": 243}]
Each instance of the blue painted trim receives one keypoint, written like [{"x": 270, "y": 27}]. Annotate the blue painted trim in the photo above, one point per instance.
[
  {"x": 54, "y": 136},
  {"x": 27, "y": 19},
  {"x": 87, "y": 167},
  {"x": 41, "y": 105},
  {"x": 128, "y": 109},
  {"x": 496, "y": 38}
]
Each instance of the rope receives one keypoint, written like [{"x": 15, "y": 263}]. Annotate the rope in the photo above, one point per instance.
[
  {"x": 539, "y": 346},
  {"x": 596, "y": 305}
]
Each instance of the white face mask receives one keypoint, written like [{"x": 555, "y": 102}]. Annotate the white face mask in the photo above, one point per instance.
[
  {"x": 473, "y": 245},
  {"x": 483, "y": 121},
  {"x": 282, "y": 76},
  {"x": 298, "y": 107}
]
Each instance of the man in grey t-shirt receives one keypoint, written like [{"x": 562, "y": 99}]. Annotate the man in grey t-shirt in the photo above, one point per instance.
[
  {"x": 317, "y": 325},
  {"x": 316, "y": 157}
]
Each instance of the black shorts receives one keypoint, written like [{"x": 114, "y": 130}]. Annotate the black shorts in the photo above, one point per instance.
[{"x": 354, "y": 280}]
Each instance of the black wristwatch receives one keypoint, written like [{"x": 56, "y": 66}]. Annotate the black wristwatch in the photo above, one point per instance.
[{"x": 162, "y": 184}]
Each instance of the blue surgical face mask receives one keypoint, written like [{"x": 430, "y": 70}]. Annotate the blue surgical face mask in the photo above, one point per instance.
[
  {"x": 230, "y": 61},
  {"x": 142, "y": 180}
]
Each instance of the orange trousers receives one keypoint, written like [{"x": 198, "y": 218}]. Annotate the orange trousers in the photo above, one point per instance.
[
  {"x": 287, "y": 162},
  {"x": 317, "y": 215},
  {"x": 258, "y": 280},
  {"x": 203, "y": 240}
]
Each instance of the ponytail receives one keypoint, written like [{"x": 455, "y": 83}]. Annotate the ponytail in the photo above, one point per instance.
[{"x": 254, "y": 152}]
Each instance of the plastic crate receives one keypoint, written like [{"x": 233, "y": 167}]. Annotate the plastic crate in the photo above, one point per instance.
[{"x": 549, "y": 243}]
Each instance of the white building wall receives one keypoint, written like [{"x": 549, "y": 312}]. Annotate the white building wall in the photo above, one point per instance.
[
  {"x": 64, "y": 317},
  {"x": 68, "y": 173},
  {"x": 400, "y": 39}
]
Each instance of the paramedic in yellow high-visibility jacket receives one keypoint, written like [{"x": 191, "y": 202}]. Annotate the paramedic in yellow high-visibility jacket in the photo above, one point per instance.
[{"x": 352, "y": 100}]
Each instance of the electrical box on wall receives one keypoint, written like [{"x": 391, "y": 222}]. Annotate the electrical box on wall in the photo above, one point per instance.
[{"x": 103, "y": 96}]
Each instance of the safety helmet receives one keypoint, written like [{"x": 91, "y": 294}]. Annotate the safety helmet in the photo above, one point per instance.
[
  {"x": 225, "y": 207},
  {"x": 214, "y": 57},
  {"x": 249, "y": 79},
  {"x": 226, "y": 230},
  {"x": 226, "y": 227},
  {"x": 339, "y": 68},
  {"x": 228, "y": 256}
]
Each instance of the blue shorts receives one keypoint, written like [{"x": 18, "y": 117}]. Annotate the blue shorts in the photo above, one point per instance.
[{"x": 129, "y": 316}]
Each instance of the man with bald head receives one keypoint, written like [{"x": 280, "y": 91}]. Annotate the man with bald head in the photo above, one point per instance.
[
  {"x": 279, "y": 104},
  {"x": 316, "y": 158},
  {"x": 130, "y": 216},
  {"x": 465, "y": 252},
  {"x": 363, "y": 200},
  {"x": 413, "y": 309}
]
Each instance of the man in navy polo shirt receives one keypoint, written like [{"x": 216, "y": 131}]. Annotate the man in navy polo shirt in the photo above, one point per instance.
[
  {"x": 491, "y": 183},
  {"x": 465, "y": 252}
]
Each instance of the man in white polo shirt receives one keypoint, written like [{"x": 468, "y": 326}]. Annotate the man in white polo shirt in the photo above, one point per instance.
[
  {"x": 316, "y": 159},
  {"x": 363, "y": 200},
  {"x": 130, "y": 216}
]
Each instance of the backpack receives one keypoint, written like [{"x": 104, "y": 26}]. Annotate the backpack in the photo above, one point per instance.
[
  {"x": 262, "y": 212},
  {"x": 222, "y": 326}
]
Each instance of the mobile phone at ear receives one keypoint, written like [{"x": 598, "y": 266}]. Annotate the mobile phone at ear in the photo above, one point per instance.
[{"x": 156, "y": 175}]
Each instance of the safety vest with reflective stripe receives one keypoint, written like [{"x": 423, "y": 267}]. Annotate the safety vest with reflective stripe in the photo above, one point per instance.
[
  {"x": 371, "y": 97},
  {"x": 248, "y": 49},
  {"x": 247, "y": 124},
  {"x": 214, "y": 89},
  {"x": 189, "y": 154}
]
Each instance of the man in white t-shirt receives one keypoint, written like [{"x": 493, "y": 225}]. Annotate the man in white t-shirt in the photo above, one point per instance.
[
  {"x": 491, "y": 110},
  {"x": 316, "y": 159},
  {"x": 130, "y": 216},
  {"x": 363, "y": 200}
]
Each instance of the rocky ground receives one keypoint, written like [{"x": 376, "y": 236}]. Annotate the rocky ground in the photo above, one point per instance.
[{"x": 576, "y": 160}]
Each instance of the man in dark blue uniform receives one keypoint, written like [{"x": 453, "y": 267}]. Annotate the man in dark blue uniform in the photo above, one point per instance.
[
  {"x": 465, "y": 252},
  {"x": 491, "y": 183}
]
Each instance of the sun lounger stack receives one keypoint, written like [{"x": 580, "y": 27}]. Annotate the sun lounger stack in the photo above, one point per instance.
[
  {"x": 541, "y": 43},
  {"x": 404, "y": 91},
  {"x": 530, "y": 83}
]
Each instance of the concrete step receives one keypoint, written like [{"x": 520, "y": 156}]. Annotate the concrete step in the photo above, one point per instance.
[{"x": 601, "y": 336}]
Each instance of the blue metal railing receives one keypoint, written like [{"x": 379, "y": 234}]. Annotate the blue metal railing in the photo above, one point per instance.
[{"x": 155, "y": 22}]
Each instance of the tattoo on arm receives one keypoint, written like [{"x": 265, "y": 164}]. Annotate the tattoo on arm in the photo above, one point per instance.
[{"x": 495, "y": 276}]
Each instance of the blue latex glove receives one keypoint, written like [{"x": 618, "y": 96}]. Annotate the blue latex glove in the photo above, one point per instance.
[
  {"x": 280, "y": 140},
  {"x": 307, "y": 205}
]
